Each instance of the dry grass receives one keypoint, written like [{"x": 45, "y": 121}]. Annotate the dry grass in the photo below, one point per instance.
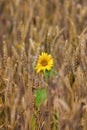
[{"x": 28, "y": 27}]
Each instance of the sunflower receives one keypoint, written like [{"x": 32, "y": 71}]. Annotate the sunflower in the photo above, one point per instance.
[{"x": 45, "y": 62}]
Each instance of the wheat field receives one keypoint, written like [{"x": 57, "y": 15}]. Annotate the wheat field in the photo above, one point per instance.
[{"x": 27, "y": 28}]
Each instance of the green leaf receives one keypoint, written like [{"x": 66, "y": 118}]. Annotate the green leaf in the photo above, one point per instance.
[
  {"x": 47, "y": 73},
  {"x": 54, "y": 72},
  {"x": 41, "y": 96}
]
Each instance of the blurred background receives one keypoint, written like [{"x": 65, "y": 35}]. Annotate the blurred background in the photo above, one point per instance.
[{"x": 28, "y": 27}]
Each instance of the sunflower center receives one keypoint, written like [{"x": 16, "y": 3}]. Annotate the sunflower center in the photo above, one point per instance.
[{"x": 44, "y": 62}]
